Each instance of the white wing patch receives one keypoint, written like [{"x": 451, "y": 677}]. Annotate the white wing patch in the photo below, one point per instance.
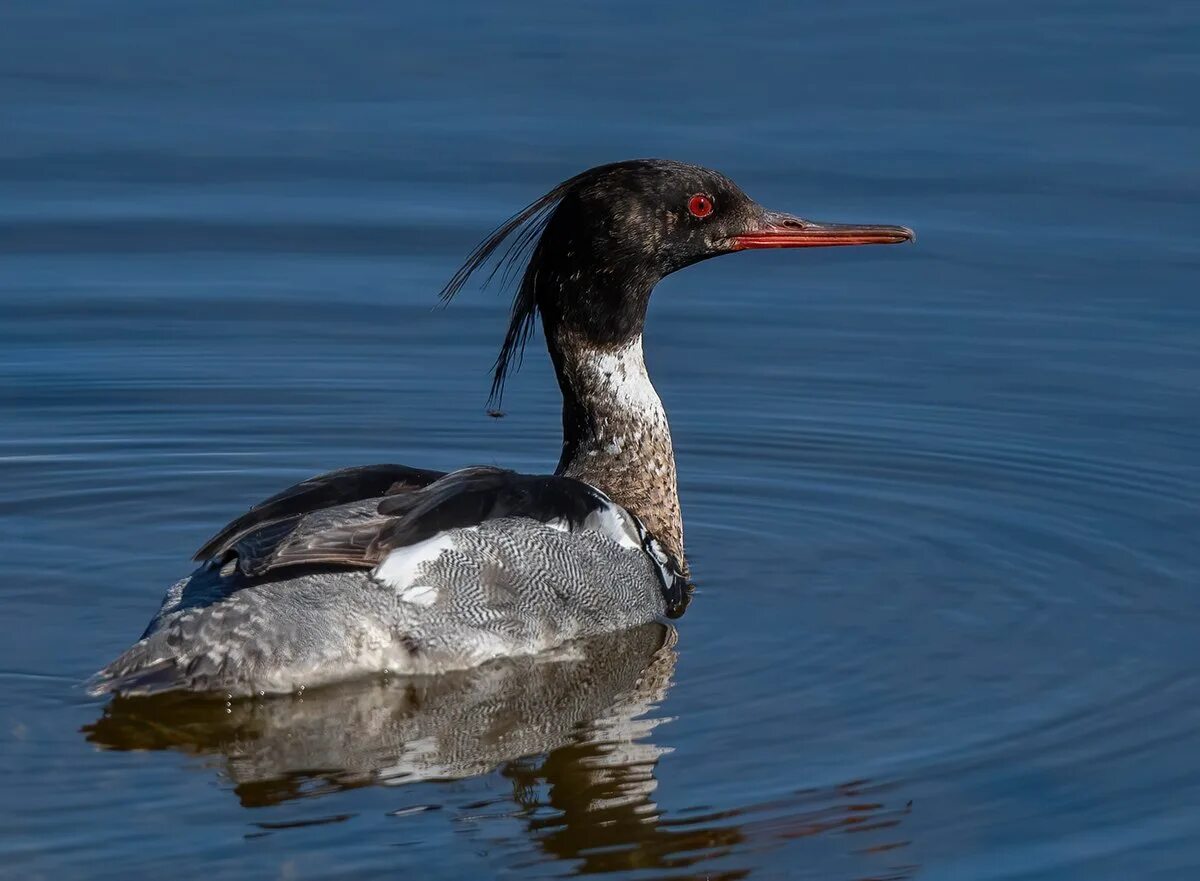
[
  {"x": 401, "y": 569},
  {"x": 615, "y": 523}
]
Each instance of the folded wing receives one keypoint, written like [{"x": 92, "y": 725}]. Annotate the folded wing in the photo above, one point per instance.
[
  {"x": 332, "y": 489},
  {"x": 301, "y": 528}
]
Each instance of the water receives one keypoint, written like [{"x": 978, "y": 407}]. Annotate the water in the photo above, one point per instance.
[{"x": 941, "y": 501}]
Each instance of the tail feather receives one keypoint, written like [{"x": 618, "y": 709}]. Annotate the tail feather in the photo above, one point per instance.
[{"x": 135, "y": 674}]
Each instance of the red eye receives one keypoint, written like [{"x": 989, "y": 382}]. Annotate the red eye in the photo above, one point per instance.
[{"x": 700, "y": 205}]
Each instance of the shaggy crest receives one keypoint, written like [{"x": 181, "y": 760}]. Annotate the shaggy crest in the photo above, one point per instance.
[{"x": 523, "y": 231}]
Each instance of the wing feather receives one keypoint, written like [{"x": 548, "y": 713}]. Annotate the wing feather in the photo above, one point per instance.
[
  {"x": 322, "y": 491},
  {"x": 359, "y": 534}
]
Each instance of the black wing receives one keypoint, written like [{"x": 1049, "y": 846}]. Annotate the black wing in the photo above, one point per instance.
[
  {"x": 360, "y": 534},
  {"x": 328, "y": 490},
  {"x": 473, "y": 495}
]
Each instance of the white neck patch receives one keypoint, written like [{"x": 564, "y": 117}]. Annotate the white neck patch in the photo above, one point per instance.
[{"x": 620, "y": 376}]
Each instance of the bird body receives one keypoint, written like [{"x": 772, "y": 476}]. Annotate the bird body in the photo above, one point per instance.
[{"x": 409, "y": 570}]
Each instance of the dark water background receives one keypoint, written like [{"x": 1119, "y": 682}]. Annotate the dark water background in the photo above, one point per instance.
[{"x": 941, "y": 501}]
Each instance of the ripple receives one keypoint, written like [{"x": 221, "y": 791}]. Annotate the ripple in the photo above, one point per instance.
[{"x": 941, "y": 502}]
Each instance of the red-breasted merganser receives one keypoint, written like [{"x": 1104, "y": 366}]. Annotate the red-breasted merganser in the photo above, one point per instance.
[{"x": 386, "y": 567}]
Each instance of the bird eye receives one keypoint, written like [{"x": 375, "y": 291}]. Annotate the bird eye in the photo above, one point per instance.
[{"x": 700, "y": 205}]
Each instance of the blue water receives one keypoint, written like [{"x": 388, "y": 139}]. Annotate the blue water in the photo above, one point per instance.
[{"x": 942, "y": 501}]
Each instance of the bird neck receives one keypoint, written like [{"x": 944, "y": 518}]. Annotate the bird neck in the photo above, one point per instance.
[{"x": 615, "y": 432}]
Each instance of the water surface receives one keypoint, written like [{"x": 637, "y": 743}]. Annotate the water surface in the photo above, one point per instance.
[{"x": 941, "y": 501}]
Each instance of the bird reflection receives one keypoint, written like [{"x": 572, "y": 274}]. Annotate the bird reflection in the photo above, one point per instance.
[
  {"x": 573, "y": 732},
  {"x": 444, "y": 727}
]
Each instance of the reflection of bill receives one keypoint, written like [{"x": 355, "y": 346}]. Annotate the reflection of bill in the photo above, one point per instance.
[{"x": 441, "y": 727}]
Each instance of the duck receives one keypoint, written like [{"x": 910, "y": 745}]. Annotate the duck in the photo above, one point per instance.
[{"x": 403, "y": 570}]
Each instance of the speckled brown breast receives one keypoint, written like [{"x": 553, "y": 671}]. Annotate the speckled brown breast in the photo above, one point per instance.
[{"x": 616, "y": 436}]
